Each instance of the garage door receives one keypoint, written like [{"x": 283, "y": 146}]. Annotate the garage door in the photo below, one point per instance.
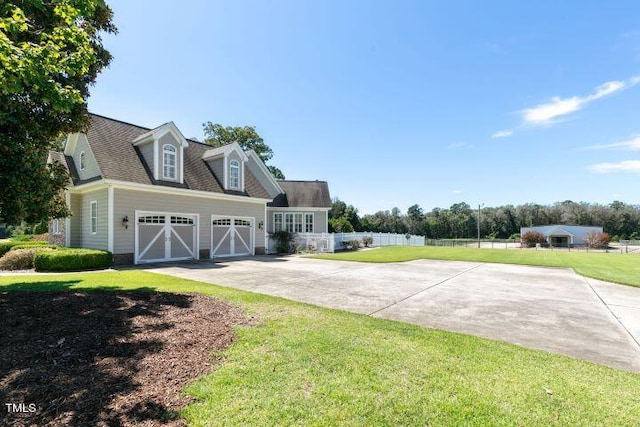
[
  {"x": 166, "y": 237},
  {"x": 231, "y": 236}
]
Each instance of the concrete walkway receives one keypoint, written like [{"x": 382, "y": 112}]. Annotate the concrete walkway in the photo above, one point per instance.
[{"x": 545, "y": 308}]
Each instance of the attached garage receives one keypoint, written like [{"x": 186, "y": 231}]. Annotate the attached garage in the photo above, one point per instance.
[
  {"x": 165, "y": 237},
  {"x": 232, "y": 236}
]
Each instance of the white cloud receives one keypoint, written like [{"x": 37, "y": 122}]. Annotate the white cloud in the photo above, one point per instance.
[
  {"x": 502, "y": 133},
  {"x": 624, "y": 166},
  {"x": 457, "y": 191},
  {"x": 631, "y": 144},
  {"x": 547, "y": 113}
]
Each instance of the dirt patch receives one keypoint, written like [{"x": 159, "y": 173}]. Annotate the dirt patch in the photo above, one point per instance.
[{"x": 106, "y": 359}]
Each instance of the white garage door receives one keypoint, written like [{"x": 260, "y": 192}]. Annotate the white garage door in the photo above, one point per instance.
[
  {"x": 231, "y": 236},
  {"x": 165, "y": 237}
]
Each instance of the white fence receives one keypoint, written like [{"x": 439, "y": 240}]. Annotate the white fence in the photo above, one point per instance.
[{"x": 330, "y": 242}]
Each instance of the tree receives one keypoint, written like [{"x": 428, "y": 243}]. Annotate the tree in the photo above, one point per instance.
[
  {"x": 247, "y": 137},
  {"x": 50, "y": 53}
]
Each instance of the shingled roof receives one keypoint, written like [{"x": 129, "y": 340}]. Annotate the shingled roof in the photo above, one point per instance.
[
  {"x": 111, "y": 143},
  {"x": 303, "y": 194}
]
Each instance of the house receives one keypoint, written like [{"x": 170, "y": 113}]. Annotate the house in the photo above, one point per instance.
[
  {"x": 151, "y": 195},
  {"x": 563, "y": 235}
]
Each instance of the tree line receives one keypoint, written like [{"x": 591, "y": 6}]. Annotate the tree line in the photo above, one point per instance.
[{"x": 461, "y": 219}]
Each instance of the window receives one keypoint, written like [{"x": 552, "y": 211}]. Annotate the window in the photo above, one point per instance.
[
  {"x": 55, "y": 226},
  {"x": 277, "y": 222},
  {"x": 234, "y": 174},
  {"x": 297, "y": 225},
  {"x": 152, "y": 219},
  {"x": 294, "y": 222},
  {"x": 93, "y": 213},
  {"x": 308, "y": 223},
  {"x": 82, "y": 164},
  {"x": 288, "y": 222},
  {"x": 169, "y": 161}
]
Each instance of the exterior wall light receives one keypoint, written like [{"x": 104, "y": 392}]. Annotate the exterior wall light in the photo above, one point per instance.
[{"x": 125, "y": 222}]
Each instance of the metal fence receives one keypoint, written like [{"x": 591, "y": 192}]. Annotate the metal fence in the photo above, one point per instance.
[{"x": 330, "y": 242}]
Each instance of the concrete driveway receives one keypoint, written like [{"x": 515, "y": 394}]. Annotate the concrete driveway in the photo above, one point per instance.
[{"x": 545, "y": 308}]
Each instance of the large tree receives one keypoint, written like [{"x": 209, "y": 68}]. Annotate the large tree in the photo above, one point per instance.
[
  {"x": 247, "y": 137},
  {"x": 50, "y": 53}
]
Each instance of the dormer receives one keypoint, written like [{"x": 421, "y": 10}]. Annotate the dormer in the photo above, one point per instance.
[
  {"x": 162, "y": 149},
  {"x": 77, "y": 147},
  {"x": 228, "y": 164}
]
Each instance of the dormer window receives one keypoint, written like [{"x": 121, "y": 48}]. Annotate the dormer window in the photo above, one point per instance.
[
  {"x": 169, "y": 161},
  {"x": 82, "y": 164},
  {"x": 234, "y": 174}
]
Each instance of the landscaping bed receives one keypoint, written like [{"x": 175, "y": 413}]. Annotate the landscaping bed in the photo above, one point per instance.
[{"x": 105, "y": 358}]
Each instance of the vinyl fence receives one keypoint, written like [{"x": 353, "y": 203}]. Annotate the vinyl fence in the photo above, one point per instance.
[{"x": 330, "y": 242}]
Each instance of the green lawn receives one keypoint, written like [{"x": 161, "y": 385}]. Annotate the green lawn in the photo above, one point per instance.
[
  {"x": 610, "y": 267},
  {"x": 304, "y": 365}
]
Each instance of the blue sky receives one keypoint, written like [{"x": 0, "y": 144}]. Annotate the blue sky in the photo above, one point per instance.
[{"x": 398, "y": 102}]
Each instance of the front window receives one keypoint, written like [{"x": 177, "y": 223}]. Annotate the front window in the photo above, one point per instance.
[
  {"x": 234, "y": 174},
  {"x": 277, "y": 221},
  {"x": 288, "y": 222},
  {"x": 298, "y": 223},
  {"x": 169, "y": 161},
  {"x": 55, "y": 227},
  {"x": 308, "y": 223},
  {"x": 94, "y": 217}
]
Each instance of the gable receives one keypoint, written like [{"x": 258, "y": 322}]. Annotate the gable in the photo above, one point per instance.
[{"x": 119, "y": 159}]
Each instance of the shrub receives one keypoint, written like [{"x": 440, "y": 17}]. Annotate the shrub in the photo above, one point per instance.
[
  {"x": 20, "y": 259},
  {"x": 367, "y": 241},
  {"x": 31, "y": 245},
  {"x": 597, "y": 240},
  {"x": 350, "y": 244},
  {"x": 283, "y": 241},
  {"x": 530, "y": 238},
  {"x": 72, "y": 260},
  {"x": 514, "y": 236},
  {"x": 6, "y": 246}
]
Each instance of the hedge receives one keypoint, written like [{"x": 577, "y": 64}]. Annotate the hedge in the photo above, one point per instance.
[
  {"x": 7, "y": 245},
  {"x": 72, "y": 260}
]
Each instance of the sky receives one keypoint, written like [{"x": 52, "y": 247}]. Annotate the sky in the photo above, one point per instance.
[{"x": 396, "y": 103}]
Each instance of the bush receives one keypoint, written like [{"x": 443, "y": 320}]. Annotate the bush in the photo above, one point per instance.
[
  {"x": 597, "y": 240},
  {"x": 283, "y": 241},
  {"x": 6, "y": 246},
  {"x": 531, "y": 238},
  {"x": 367, "y": 241},
  {"x": 22, "y": 245},
  {"x": 20, "y": 259},
  {"x": 72, "y": 260},
  {"x": 514, "y": 236},
  {"x": 350, "y": 244}
]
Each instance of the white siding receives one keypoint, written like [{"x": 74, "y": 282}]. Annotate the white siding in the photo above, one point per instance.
[
  {"x": 76, "y": 220},
  {"x": 89, "y": 239},
  {"x": 128, "y": 201},
  {"x": 91, "y": 168},
  {"x": 147, "y": 153}
]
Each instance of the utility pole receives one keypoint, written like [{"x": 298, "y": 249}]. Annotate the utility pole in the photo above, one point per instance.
[{"x": 479, "y": 206}]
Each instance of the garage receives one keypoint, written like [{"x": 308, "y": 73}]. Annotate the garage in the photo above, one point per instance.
[
  {"x": 165, "y": 237},
  {"x": 232, "y": 236}
]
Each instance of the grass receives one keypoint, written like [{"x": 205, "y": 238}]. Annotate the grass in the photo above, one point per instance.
[
  {"x": 610, "y": 267},
  {"x": 305, "y": 365}
]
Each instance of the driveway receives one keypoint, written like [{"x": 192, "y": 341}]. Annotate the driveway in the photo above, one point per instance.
[{"x": 551, "y": 309}]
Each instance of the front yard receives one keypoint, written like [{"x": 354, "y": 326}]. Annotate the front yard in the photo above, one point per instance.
[
  {"x": 296, "y": 364},
  {"x": 610, "y": 267}
]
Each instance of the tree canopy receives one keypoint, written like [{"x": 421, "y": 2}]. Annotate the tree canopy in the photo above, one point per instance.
[
  {"x": 461, "y": 221},
  {"x": 50, "y": 53},
  {"x": 247, "y": 137}
]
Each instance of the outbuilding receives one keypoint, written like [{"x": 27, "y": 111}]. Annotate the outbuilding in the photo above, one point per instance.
[{"x": 559, "y": 235}]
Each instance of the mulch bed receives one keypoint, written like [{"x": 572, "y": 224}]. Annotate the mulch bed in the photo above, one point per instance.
[{"x": 106, "y": 358}]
